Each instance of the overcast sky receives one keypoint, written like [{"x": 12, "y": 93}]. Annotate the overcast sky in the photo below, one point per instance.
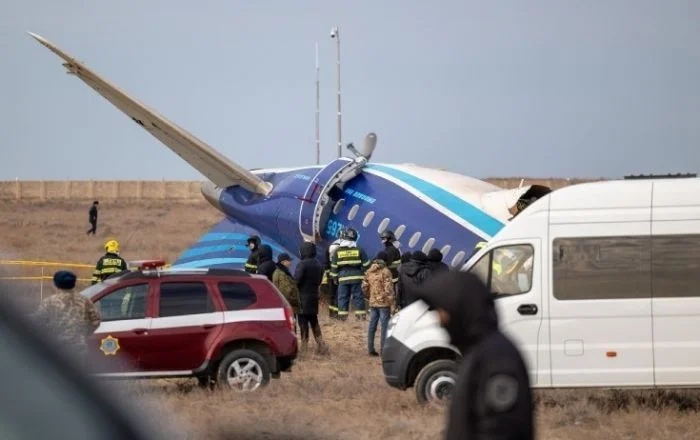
[{"x": 547, "y": 88}]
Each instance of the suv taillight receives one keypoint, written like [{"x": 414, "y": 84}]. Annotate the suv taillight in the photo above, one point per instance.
[{"x": 289, "y": 315}]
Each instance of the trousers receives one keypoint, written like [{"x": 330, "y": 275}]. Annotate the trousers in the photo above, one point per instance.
[
  {"x": 345, "y": 293},
  {"x": 377, "y": 314}
]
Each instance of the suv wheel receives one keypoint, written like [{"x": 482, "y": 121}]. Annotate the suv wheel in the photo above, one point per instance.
[
  {"x": 436, "y": 381},
  {"x": 243, "y": 369}
]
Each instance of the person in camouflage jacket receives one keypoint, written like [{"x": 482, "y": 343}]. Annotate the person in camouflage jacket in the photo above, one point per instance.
[
  {"x": 285, "y": 283},
  {"x": 378, "y": 287},
  {"x": 69, "y": 317}
]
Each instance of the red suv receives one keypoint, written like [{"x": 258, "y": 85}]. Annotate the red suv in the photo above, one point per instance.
[{"x": 221, "y": 326}]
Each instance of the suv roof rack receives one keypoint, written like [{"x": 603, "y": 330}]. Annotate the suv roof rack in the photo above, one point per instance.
[{"x": 661, "y": 176}]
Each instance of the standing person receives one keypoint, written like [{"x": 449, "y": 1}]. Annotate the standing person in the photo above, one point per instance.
[
  {"x": 393, "y": 253},
  {"x": 412, "y": 274},
  {"x": 332, "y": 282},
  {"x": 348, "y": 264},
  {"x": 283, "y": 280},
  {"x": 110, "y": 263},
  {"x": 378, "y": 288},
  {"x": 308, "y": 275},
  {"x": 68, "y": 316},
  {"x": 435, "y": 263},
  {"x": 253, "y": 243},
  {"x": 266, "y": 265},
  {"x": 492, "y": 397},
  {"x": 92, "y": 218}
]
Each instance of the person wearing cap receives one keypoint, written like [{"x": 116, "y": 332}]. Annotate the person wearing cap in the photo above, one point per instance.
[
  {"x": 68, "y": 316},
  {"x": 492, "y": 397},
  {"x": 284, "y": 281}
]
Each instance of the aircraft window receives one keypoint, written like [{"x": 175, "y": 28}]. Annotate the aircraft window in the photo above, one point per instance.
[
  {"x": 445, "y": 250},
  {"x": 397, "y": 244},
  {"x": 414, "y": 239},
  {"x": 383, "y": 225},
  {"x": 399, "y": 231},
  {"x": 428, "y": 245},
  {"x": 368, "y": 219},
  {"x": 353, "y": 212},
  {"x": 338, "y": 206},
  {"x": 458, "y": 258}
]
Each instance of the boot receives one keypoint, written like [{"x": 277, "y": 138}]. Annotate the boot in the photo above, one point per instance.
[{"x": 321, "y": 346}]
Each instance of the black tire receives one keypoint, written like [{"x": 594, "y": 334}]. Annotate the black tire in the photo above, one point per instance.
[
  {"x": 441, "y": 375},
  {"x": 260, "y": 369}
]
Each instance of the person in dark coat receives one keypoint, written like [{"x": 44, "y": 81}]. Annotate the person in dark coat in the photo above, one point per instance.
[
  {"x": 92, "y": 218},
  {"x": 266, "y": 265},
  {"x": 492, "y": 397},
  {"x": 435, "y": 263},
  {"x": 411, "y": 274},
  {"x": 308, "y": 276}
]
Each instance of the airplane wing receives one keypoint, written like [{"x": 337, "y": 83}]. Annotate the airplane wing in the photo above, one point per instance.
[{"x": 212, "y": 164}]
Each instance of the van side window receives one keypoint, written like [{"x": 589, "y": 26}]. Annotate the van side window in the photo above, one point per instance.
[
  {"x": 507, "y": 270},
  {"x": 601, "y": 268},
  {"x": 676, "y": 266}
]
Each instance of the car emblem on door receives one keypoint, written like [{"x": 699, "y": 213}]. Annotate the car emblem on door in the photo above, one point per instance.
[{"x": 109, "y": 345}]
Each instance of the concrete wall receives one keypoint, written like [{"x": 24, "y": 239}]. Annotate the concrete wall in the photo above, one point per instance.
[
  {"x": 99, "y": 190},
  {"x": 159, "y": 189}
]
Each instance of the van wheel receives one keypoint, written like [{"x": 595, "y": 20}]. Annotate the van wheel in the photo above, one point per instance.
[
  {"x": 243, "y": 369},
  {"x": 436, "y": 381}
]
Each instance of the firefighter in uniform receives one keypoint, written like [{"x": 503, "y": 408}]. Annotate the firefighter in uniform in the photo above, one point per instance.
[
  {"x": 253, "y": 243},
  {"x": 393, "y": 253},
  {"x": 348, "y": 265},
  {"x": 328, "y": 284},
  {"x": 110, "y": 263}
]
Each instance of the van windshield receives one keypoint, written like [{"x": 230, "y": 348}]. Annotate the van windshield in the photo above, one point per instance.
[{"x": 507, "y": 270}]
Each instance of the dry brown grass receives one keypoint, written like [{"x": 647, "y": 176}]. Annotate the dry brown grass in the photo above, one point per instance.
[{"x": 343, "y": 396}]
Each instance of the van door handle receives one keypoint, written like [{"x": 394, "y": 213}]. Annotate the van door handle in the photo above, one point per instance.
[
  {"x": 527, "y": 309},
  {"x": 139, "y": 331}
]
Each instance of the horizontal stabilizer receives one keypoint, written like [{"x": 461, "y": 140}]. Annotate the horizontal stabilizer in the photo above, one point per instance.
[{"x": 216, "y": 167}]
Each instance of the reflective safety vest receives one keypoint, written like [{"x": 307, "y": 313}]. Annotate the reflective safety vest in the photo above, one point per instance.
[
  {"x": 348, "y": 265},
  {"x": 108, "y": 265},
  {"x": 495, "y": 265}
]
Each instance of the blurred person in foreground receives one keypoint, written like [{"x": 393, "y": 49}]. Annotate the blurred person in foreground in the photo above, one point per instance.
[
  {"x": 378, "y": 288},
  {"x": 492, "y": 397},
  {"x": 67, "y": 316}
]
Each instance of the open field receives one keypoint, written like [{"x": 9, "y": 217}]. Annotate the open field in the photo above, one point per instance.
[{"x": 341, "y": 397}]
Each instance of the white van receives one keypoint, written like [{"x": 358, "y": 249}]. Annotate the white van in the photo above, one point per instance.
[{"x": 598, "y": 284}]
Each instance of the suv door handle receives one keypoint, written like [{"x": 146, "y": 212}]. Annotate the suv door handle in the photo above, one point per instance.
[
  {"x": 139, "y": 331},
  {"x": 527, "y": 309},
  {"x": 208, "y": 326}
]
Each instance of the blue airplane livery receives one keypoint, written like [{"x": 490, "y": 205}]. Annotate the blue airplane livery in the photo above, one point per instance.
[{"x": 425, "y": 208}]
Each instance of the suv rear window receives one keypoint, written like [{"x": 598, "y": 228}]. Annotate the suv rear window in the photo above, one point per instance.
[
  {"x": 184, "y": 298},
  {"x": 237, "y": 296}
]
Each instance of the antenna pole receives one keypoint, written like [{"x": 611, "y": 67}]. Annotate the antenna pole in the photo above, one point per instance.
[
  {"x": 318, "y": 111},
  {"x": 335, "y": 33}
]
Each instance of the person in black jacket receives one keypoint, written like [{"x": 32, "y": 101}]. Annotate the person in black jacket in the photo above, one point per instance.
[
  {"x": 308, "y": 276},
  {"x": 393, "y": 254},
  {"x": 411, "y": 274},
  {"x": 92, "y": 218},
  {"x": 266, "y": 265},
  {"x": 435, "y": 263},
  {"x": 492, "y": 397}
]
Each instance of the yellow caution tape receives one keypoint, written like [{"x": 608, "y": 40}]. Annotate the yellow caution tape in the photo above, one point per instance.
[{"x": 44, "y": 263}]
